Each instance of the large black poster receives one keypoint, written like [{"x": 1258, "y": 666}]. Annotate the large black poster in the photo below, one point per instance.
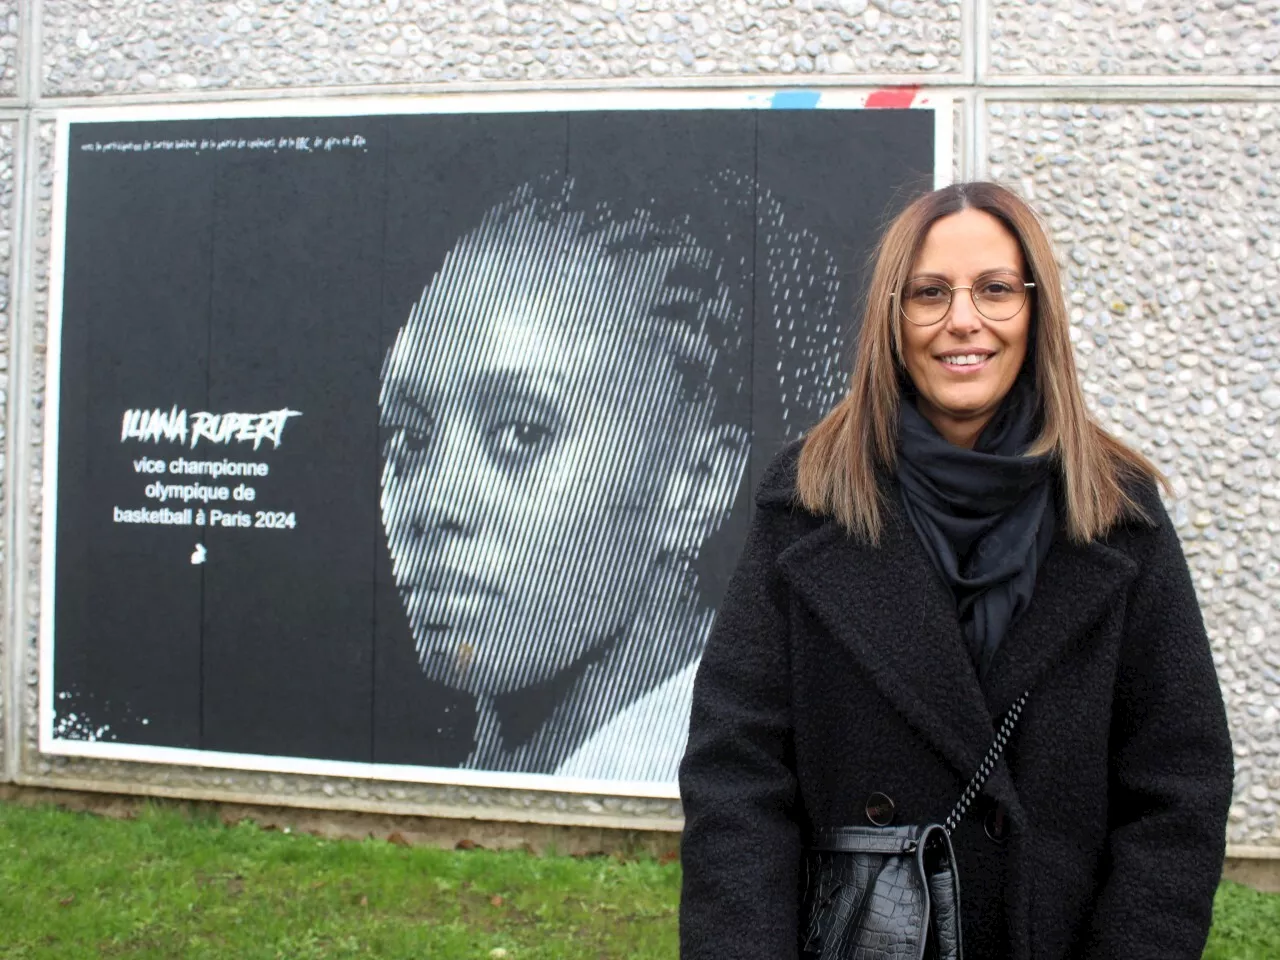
[{"x": 426, "y": 441}]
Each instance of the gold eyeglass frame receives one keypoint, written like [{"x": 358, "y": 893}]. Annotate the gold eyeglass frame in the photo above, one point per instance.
[{"x": 1026, "y": 285}]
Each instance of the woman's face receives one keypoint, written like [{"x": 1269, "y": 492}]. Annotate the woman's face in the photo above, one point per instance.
[
  {"x": 529, "y": 435},
  {"x": 956, "y": 394}
]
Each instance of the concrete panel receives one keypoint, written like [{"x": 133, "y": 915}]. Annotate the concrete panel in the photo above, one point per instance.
[
  {"x": 1157, "y": 37},
  {"x": 9, "y": 43},
  {"x": 1167, "y": 220},
  {"x": 8, "y": 136},
  {"x": 30, "y": 435},
  {"x": 140, "y": 46}
]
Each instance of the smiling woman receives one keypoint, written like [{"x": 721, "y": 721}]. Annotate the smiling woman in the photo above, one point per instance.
[
  {"x": 959, "y": 593},
  {"x": 964, "y": 352}
]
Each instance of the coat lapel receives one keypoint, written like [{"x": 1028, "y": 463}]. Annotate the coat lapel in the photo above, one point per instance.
[
  {"x": 1074, "y": 589},
  {"x": 888, "y": 605}
]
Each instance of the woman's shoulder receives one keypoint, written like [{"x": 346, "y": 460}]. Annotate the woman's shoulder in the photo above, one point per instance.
[
  {"x": 1145, "y": 527},
  {"x": 777, "y": 486},
  {"x": 1145, "y": 509}
]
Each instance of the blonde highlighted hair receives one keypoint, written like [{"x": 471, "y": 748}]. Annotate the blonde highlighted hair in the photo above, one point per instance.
[{"x": 844, "y": 452}]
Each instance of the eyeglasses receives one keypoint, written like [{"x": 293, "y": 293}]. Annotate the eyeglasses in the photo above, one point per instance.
[{"x": 996, "y": 296}]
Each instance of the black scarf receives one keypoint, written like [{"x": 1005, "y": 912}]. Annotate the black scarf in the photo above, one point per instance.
[{"x": 985, "y": 516}]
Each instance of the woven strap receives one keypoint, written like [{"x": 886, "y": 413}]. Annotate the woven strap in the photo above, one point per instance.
[{"x": 987, "y": 765}]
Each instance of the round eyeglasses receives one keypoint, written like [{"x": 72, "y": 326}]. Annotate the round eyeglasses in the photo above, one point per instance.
[{"x": 996, "y": 296}]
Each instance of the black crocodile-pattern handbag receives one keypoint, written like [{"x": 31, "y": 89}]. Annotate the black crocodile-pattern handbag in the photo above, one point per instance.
[{"x": 890, "y": 893}]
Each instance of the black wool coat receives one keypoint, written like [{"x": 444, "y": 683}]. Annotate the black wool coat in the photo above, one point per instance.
[{"x": 836, "y": 671}]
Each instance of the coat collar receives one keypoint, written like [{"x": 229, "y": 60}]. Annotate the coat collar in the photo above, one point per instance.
[{"x": 890, "y": 608}]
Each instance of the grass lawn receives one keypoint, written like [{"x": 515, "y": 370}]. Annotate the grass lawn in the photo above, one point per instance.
[
  {"x": 1246, "y": 925},
  {"x": 165, "y": 885}
]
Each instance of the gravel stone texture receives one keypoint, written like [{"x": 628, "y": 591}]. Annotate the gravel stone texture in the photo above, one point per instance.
[
  {"x": 146, "y": 46},
  {"x": 27, "y": 586},
  {"x": 1167, "y": 221},
  {"x": 8, "y": 47},
  {"x": 1140, "y": 37}
]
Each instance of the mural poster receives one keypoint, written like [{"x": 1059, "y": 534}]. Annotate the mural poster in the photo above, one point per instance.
[{"x": 420, "y": 445}]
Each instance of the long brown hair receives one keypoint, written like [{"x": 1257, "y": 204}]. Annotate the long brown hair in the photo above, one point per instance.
[{"x": 842, "y": 454}]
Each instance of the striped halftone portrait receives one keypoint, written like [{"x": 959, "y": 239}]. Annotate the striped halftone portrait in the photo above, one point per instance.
[{"x": 566, "y": 422}]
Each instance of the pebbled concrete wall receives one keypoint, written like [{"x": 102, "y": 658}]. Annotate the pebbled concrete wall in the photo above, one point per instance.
[
  {"x": 1169, "y": 216},
  {"x": 135, "y": 46},
  {"x": 8, "y": 47},
  {"x": 1146, "y": 130},
  {"x": 1072, "y": 38}
]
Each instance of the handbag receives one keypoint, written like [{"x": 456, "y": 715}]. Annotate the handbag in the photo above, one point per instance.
[{"x": 890, "y": 893}]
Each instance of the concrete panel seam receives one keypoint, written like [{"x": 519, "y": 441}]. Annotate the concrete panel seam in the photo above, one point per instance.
[
  {"x": 1092, "y": 92},
  {"x": 1097, "y": 93},
  {"x": 968, "y": 106},
  {"x": 978, "y": 138},
  {"x": 1129, "y": 80},
  {"x": 965, "y": 149},
  {"x": 30, "y": 39},
  {"x": 26, "y": 172},
  {"x": 978, "y": 38},
  {"x": 970, "y": 67}
]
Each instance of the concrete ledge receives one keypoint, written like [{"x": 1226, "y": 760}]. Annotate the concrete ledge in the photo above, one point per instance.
[
  {"x": 403, "y": 829},
  {"x": 346, "y": 802},
  {"x": 1260, "y": 870}
]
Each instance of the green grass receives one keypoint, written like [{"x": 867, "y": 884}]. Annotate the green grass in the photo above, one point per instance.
[
  {"x": 167, "y": 885},
  {"x": 1246, "y": 925},
  {"x": 73, "y": 885}
]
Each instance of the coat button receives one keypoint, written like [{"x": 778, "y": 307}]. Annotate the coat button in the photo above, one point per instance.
[
  {"x": 996, "y": 823},
  {"x": 880, "y": 809}
]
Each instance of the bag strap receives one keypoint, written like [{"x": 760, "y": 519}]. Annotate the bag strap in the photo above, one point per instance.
[{"x": 988, "y": 764}]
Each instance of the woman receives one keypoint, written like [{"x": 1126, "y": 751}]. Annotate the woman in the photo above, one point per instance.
[
  {"x": 955, "y": 532},
  {"x": 555, "y": 457},
  {"x": 566, "y": 437}
]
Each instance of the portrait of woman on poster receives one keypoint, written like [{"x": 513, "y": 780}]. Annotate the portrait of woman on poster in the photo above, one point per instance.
[
  {"x": 959, "y": 531},
  {"x": 565, "y": 427}
]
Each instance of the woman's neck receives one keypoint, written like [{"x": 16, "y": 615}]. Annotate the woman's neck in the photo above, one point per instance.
[
  {"x": 960, "y": 432},
  {"x": 659, "y": 642}
]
